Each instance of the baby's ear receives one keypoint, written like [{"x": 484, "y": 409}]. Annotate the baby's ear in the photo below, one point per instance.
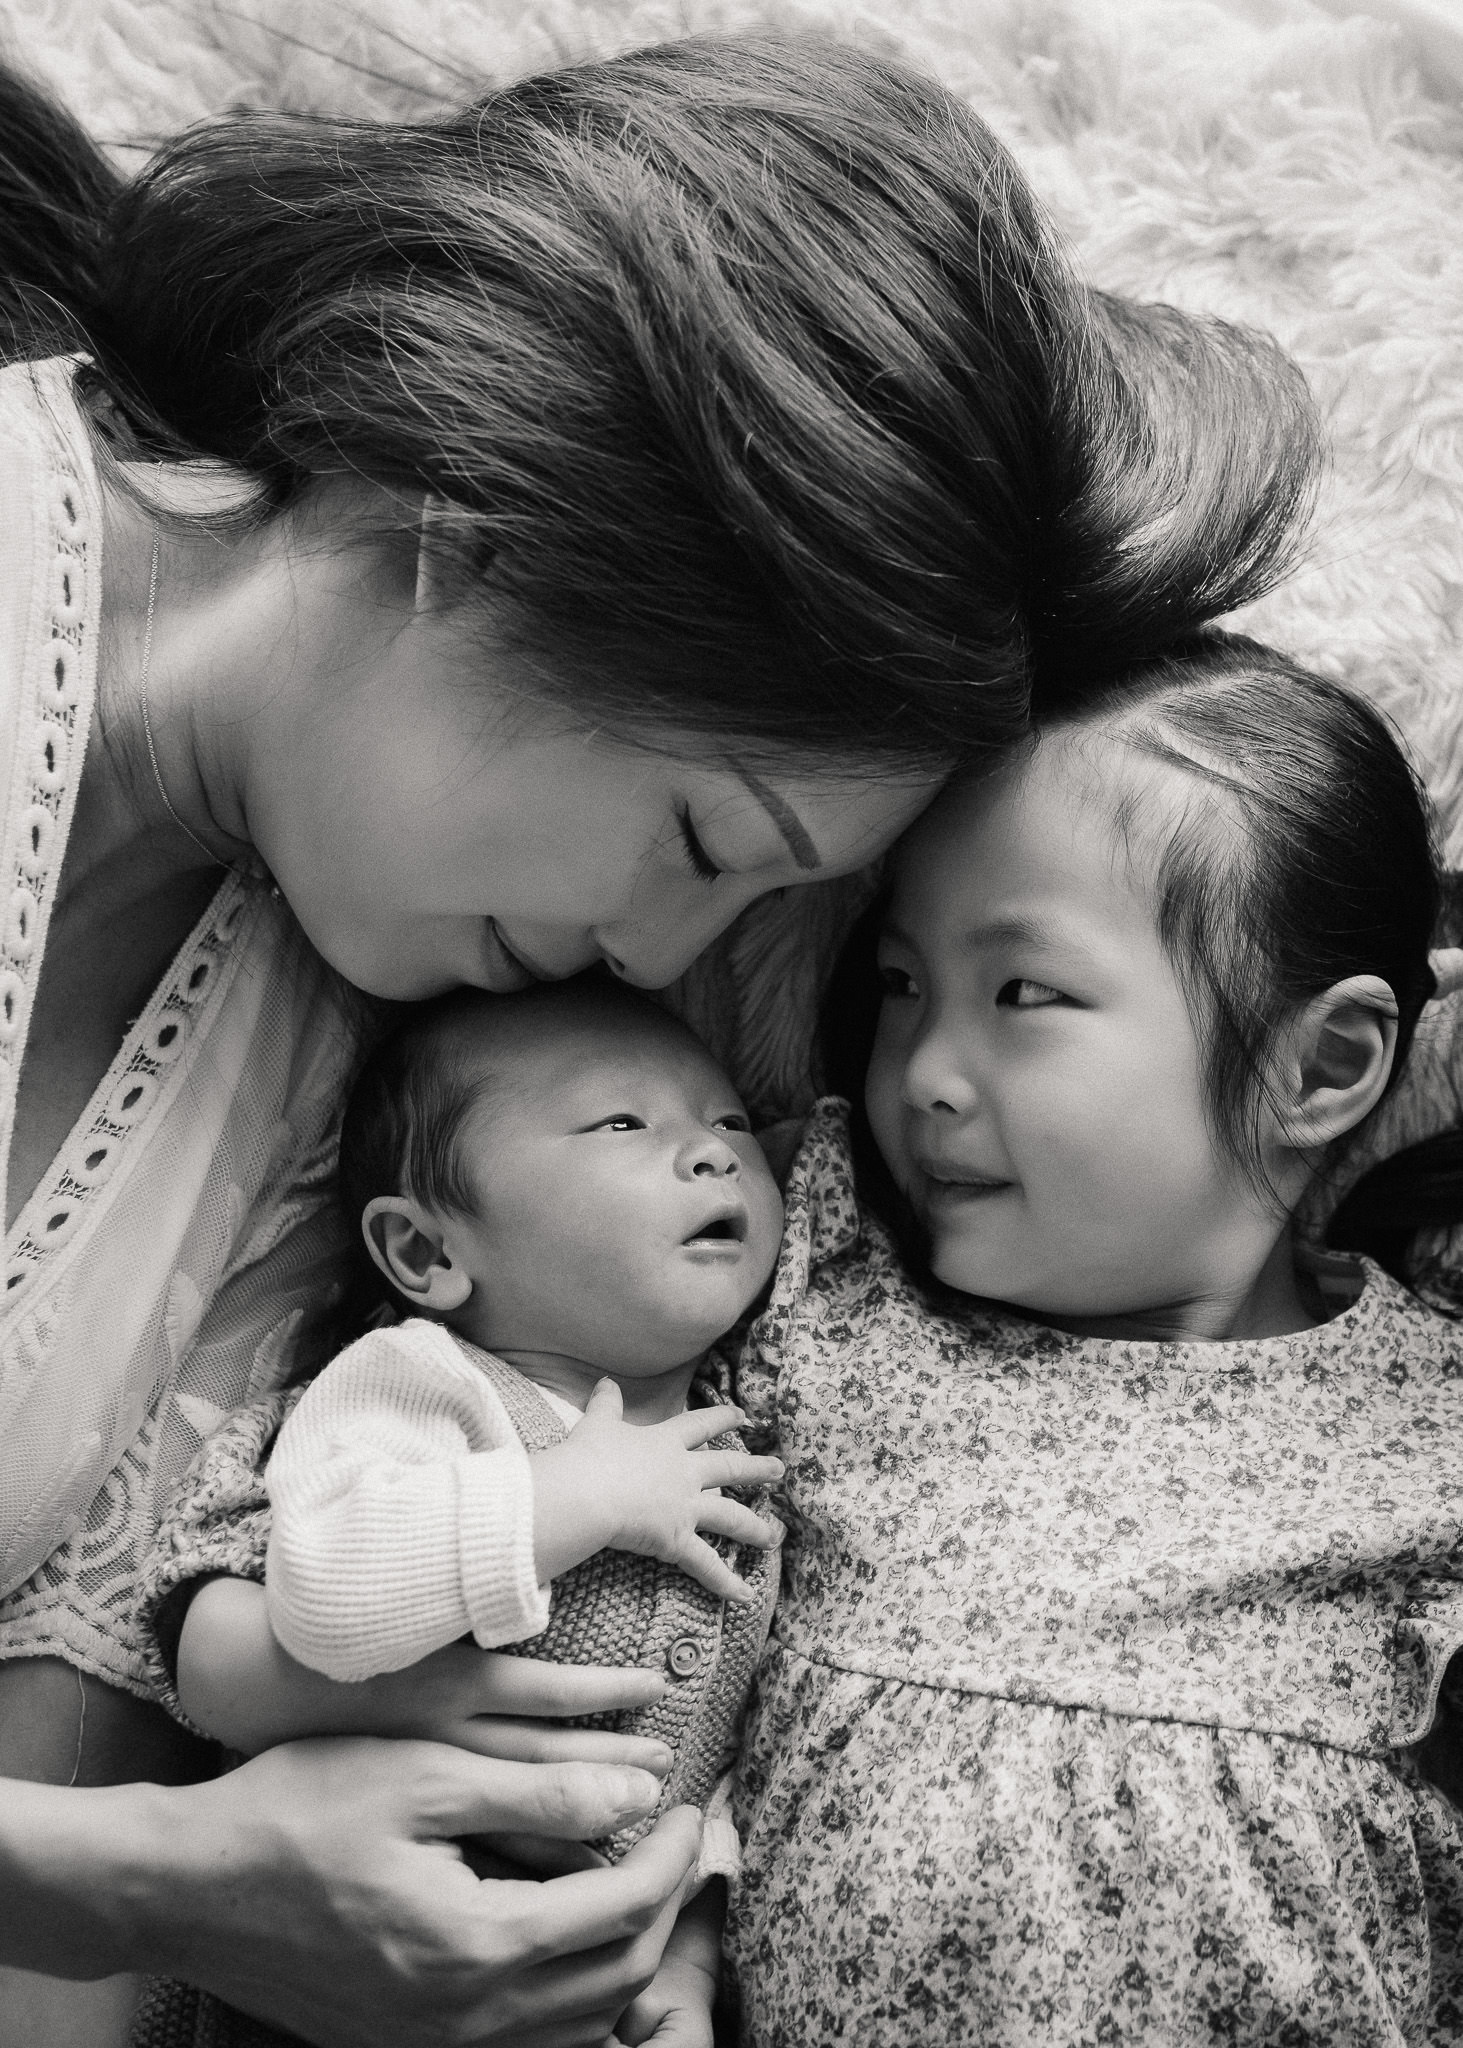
[
  {"x": 405, "y": 1241},
  {"x": 1338, "y": 1060}
]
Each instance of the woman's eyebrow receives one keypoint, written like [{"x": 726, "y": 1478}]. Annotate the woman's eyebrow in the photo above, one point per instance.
[{"x": 786, "y": 819}]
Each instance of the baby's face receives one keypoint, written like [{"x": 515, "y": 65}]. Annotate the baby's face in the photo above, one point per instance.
[
  {"x": 1036, "y": 1083},
  {"x": 626, "y": 1216}
]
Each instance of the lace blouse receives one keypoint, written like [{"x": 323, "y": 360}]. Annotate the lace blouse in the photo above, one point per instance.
[{"x": 160, "y": 1272}]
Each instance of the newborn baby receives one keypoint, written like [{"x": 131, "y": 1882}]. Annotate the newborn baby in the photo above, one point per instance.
[{"x": 561, "y": 1193}]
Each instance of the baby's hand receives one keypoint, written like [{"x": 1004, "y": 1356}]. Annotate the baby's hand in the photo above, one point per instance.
[{"x": 614, "y": 1485}]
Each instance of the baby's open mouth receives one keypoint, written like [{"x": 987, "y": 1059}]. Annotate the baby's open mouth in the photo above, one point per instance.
[{"x": 720, "y": 1230}]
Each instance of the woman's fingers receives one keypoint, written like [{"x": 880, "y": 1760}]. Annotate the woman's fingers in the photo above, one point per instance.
[
  {"x": 541, "y": 1742},
  {"x": 450, "y": 1792},
  {"x": 629, "y": 1903},
  {"x": 524, "y": 1686}
]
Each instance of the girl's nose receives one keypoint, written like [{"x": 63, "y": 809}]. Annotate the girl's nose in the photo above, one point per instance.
[
  {"x": 936, "y": 1081},
  {"x": 708, "y": 1156}
]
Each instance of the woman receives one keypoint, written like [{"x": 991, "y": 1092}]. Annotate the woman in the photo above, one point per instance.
[{"x": 501, "y": 545}]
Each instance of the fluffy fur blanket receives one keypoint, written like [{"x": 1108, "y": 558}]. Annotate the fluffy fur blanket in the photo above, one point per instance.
[{"x": 1297, "y": 164}]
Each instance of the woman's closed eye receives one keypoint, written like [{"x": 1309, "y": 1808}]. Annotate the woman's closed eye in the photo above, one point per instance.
[
  {"x": 1025, "y": 994},
  {"x": 697, "y": 858}
]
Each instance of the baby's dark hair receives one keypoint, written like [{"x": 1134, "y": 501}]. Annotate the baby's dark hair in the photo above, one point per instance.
[
  {"x": 1305, "y": 853},
  {"x": 401, "y": 1133}
]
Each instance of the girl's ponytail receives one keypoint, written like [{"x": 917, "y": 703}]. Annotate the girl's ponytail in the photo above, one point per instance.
[
  {"x": 56, "y": 193},
  {"x": 1419, "y": 1189}
]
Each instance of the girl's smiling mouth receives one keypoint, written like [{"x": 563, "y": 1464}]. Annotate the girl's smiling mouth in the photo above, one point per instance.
[{"x": 946, "y": 1186}]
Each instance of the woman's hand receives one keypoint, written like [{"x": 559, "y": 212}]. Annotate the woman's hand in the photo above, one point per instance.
[
  {"x": 319, "y": 1887},
  {"x": 236, "y": 1681}
]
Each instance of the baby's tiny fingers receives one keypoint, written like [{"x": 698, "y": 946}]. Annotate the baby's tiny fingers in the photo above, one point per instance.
[
  {"x": 719, "y": 1516},
  {"x": 700, "y": 1562},
  {"x": 737, "y": 1468},
  {"x": 699, "y": 1425}
]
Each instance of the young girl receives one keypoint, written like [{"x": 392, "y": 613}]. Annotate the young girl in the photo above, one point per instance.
[{"x": 1127, "y": 1541}]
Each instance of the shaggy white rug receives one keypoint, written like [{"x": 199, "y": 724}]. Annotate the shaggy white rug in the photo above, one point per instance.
[{"x": 1293, "y": 164}]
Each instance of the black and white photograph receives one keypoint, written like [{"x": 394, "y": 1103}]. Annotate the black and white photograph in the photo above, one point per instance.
[{"x": 731, "y": 1023}]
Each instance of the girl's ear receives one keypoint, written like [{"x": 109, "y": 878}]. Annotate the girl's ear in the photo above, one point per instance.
[
  {"x": 405, "y": 1241},
  {"x": 1338, "y": 1060}
]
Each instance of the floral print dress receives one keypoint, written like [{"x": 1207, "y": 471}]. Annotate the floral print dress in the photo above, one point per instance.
[{"x": 1086, "y": 1713}]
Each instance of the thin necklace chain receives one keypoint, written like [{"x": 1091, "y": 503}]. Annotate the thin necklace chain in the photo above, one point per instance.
[{"x": 157, "y": 773}]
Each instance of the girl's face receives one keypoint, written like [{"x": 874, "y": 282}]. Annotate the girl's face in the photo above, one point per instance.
[
  {"x": 433, "y": 825},
  {"x": 1036, "y": 1082}
]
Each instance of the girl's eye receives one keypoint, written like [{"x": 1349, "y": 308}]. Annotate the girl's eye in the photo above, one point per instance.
[
  {"x": 697, "y": 858},
  {"x": 896, "y": 985},
  {"x": 1028, "y": 995}
]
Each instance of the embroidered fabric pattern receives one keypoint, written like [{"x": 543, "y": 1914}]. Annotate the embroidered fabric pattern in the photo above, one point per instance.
[
  {"x": 88, "y": 1163},
  {"x": 43, "y": 793}
]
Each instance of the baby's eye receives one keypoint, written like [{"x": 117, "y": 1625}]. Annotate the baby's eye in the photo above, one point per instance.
[
  {"x": 625, "y": 1122},
  {"x": 735, "y": 1122},
  {"x": 896, "y": 985},
  {"x": 1028, "y": 995}
]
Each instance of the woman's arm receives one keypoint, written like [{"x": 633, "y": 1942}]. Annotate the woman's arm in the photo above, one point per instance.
[{"x": 319, "y": 1887}]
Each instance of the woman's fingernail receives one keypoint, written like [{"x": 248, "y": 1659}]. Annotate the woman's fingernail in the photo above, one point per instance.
[{"x": 635, "y": 1792}]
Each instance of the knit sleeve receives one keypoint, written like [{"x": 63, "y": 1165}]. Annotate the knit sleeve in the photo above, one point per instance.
[
  {"x": 402, "y": 1511},
  {"x": 215, "y": 1526}
]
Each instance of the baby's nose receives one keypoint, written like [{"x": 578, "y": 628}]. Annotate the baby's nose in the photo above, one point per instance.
[{"x": 709, "y": 1157}]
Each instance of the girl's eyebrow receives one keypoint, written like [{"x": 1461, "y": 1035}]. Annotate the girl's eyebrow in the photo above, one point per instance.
[{"x": 786, "y": 819}]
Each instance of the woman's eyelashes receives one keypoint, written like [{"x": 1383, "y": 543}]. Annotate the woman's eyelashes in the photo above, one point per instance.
[{"x": 697, "y": 858}]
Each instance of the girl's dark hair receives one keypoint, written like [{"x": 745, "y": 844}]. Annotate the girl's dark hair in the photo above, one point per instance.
[
  {"x": 1305, "y": 856},
  {"x": 762, "y": 402}
]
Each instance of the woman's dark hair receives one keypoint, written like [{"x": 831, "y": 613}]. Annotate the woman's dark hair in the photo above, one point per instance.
[
  {"x": 761, "y": 400},
  {"x": 1304, "y": 855}
]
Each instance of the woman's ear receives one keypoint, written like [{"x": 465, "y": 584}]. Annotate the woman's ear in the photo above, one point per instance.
[
  {"x": 1338, "y": 1061},
  {"x": 405, "y": 1241}
]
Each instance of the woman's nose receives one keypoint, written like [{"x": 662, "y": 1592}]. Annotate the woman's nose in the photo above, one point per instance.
[
  {"x": 937, "y": 1080},
  {"x": 651, "y": 951}
]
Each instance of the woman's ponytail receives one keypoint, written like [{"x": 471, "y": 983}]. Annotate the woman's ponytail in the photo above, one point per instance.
[
  {"x": 56, "y": 193},
  {"x": 1196, "y": 446}
]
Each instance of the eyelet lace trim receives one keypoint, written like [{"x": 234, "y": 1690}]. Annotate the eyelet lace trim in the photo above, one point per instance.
[
  {"x": 54, "y": 727},
  {"x": 50, "y": 741}
]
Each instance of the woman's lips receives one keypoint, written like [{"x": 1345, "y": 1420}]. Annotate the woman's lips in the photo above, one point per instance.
[{"x": 505, "y": 971}]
